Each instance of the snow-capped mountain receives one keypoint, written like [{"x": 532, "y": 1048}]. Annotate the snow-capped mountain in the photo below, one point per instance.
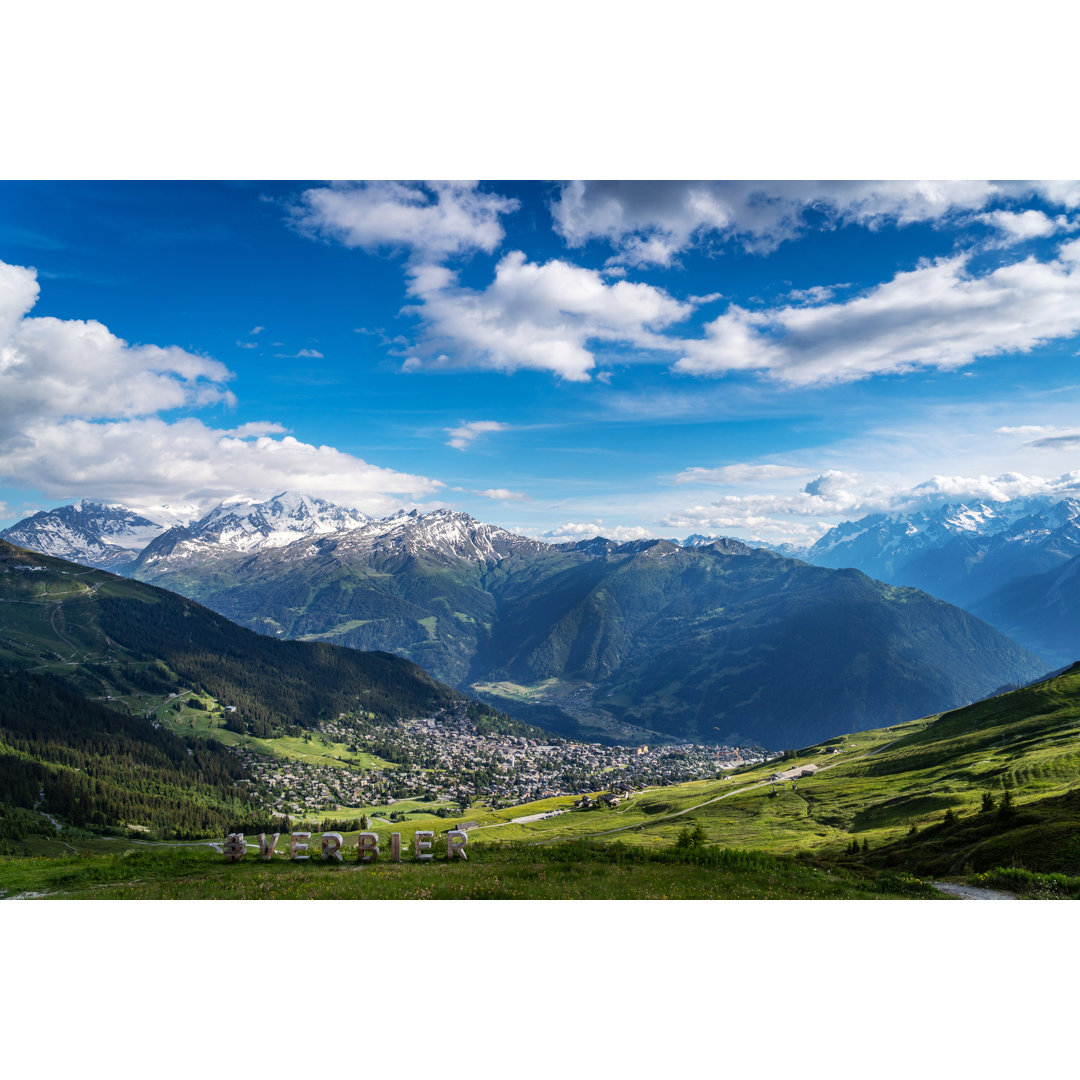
[
  {"x": 789, "y": 551},
  {"x": 301, "y": 527},
  {"x": 446, "y": 533},
  {"x": 959, "y": 552},
  {"x": 245, "y": 525},
  {"x": 91, "y": 533}
]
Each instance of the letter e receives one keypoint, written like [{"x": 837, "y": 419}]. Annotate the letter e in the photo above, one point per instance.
[{"x": 419, "y": 845}]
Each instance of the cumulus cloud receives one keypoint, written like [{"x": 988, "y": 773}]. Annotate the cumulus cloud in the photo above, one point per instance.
[
  {"x": 430, "y": 221},
  {"x": 586, "y": 530},
  {"x": 650, "y": 222},
  {"x": 737, "y": 474},
  {"x": 77, "y": 407},
  {"x": 936, "y": 316},
  {"x": 465, "y": 434},
  {"x": 70, "y": 367},
  {"x": 254, "y": 429},
  {"x": 1016, "y": 227},
  {"x": 1002, "y": 488},
  {"x": 816, "y": 294},
  {"x": 542, "y": 316},
  {"x": 503, "y": 494},
  {"x": 145, "y": 462}
]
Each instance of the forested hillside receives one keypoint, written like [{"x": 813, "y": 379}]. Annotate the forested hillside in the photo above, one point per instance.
[
  {"x": 94, "y": 766},
  {"x": 107, "y": 635}
]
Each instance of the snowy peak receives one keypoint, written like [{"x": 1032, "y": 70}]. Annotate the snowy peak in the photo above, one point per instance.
[
  {"x": 243, "y": 524},
  {"x": 446, "y": 533},
  {"x": 909, "y": 532},
  {"x": 87, "y": 532},
  {"x": 959, "y": 552}
]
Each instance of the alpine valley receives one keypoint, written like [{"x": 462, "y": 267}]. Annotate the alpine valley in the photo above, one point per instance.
[{"x": 651, "y": 640}]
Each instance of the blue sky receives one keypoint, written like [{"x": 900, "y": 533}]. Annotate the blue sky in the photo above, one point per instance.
[{"x": 639, "y": 359}]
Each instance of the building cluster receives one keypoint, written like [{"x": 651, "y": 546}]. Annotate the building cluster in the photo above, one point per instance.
[{"x": 445, "y": 759}]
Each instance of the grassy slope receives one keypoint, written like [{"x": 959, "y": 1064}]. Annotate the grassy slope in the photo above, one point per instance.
[
  {"x": 881, "y": 784},
  {"x": 491, "y": 874}
]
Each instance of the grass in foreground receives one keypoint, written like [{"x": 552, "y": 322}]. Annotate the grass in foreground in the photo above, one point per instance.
[{"x": 557, "y": 872}]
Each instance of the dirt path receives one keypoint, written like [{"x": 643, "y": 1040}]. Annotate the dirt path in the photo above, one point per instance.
[{"x": 970, "y": 892}]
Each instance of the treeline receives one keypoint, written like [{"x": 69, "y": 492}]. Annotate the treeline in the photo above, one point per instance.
[
  {"x": 273, "y": 684},
  {"x": 96, "y": 767}
]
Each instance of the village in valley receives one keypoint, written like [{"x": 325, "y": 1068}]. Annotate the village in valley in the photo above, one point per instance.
[{"x": 444, "y": 759}]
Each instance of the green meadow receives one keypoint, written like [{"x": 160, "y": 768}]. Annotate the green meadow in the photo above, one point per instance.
[{"x": 506, "y": 872}]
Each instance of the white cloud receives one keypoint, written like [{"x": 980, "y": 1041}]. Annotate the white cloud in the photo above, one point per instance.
[
  {"x": 254, "y": 429},
  {"x": 303, "y": 354},
  {"x": 1056, "y": 442},
  {"x": 540, "y": 316},
  {"x": 936, "y": 316},
  {"x": 1059, "y": 192},
  {"x": 146, "y": 462},
  {"x": 504, "y": 494},
  {"x": 816, "y": 294},
  {"x": 465, "y": 434},
  {"x": 737, "y": 474},
  {"x": 76, "y": 418},
  {"x": 248, "y": 344},
  {"x": 650, "y": 222},
  {"x": 256, "y": 329},
  {"x": 1025, "y": 225},
  {"x": 69, "y": 367},
  {"x": 578, "y": 530},
  {"x": 431, "y": 221},
  {"x": 1028, "y": 429}
]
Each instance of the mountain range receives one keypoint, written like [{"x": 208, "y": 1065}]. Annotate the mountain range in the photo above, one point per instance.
[
  {"x": 716, "y": 641},
  {"x": 1009, "y": 563}
]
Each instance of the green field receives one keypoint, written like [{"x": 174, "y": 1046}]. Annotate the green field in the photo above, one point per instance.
[
  {"x": 313, "y": 748},
  {"x": 495, "y": 873}
]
